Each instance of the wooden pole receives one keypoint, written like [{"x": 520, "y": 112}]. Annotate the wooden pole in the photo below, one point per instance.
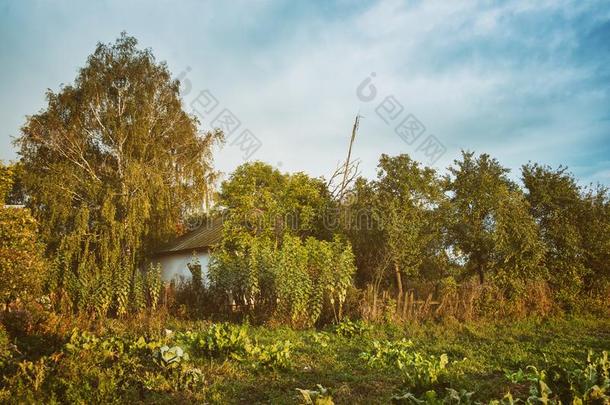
[{"x": 349, "y": 155}]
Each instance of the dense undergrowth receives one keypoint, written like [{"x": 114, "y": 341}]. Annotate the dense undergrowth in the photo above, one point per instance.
[{"x": 165, "y": 360}]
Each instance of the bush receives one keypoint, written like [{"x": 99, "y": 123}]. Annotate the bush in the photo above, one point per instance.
[
  {"x": 6, "y": 352},
  {"x": 22, "y": 264}
]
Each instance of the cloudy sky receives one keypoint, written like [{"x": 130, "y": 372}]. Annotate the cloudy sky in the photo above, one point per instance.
[{"x": 523, "y": 81}]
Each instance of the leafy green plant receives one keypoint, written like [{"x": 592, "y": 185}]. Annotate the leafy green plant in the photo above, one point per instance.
[
  {"x": 218, "y": 339},
  {"x": 516, "y": 377},
  {"x": 22, "y": 261},
  {"x": 451, "y": 397},
  {"x": 428, "y": 398},
  {"x": 319, "y": 396},
  {"x": 418, "y": 369},
  {"x": 232, "y": 341},
  {"x": 320, "y": 339},
  {"x": 276, "y": 355},
  {"x": 593, "y": 381},
  {"x": 539, "y": 390},
  {"x": 6, "y": 349},
  {"x": 295, "y": 280},
  {"x": 169, "y": 357},
  {"x": 311, "y": 277},
  {"x": 348, "y": 328},
  {"x": 507, "y": 399},
  {"x": 117, "y": 364},
  {"x": 582, "y": 384}
]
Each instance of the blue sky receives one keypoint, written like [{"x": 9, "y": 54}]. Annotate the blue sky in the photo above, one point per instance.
[{"x": 523, "y": 81}]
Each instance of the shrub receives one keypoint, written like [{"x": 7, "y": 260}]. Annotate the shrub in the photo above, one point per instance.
[
  {"x": 22, "y": 264},
  {"x": 6, "y": 349}
]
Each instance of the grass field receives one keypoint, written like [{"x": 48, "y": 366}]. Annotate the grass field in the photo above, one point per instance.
[{"x": 355, "y": 362}]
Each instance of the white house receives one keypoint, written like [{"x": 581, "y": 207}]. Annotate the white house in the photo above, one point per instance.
[{"x": 176, "y": 256}]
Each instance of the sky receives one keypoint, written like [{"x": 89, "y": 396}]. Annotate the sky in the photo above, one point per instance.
[{"x": 520, "y": 80}]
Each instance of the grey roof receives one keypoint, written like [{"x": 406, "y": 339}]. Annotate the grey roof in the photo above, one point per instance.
[{"x": 204, "y": 236}]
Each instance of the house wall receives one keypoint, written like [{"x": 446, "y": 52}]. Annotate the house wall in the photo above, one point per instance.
[{"x": 174, "y": 265}]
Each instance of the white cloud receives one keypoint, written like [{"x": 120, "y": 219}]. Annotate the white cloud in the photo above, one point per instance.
[{"x": 499, "y": 78}]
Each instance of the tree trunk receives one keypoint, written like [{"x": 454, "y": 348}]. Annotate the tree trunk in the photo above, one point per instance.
[
  {"x": 481, "y": 275},
  {"x": 398, "y": 279}
]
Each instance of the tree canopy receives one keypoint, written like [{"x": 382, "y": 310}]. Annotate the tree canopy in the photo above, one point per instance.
[
  {"x": 111, "y": 165},
  {"x": 491, "y": 224},
  {"x": 274, "y": 257},
  {"x": 396, "y": 213}
]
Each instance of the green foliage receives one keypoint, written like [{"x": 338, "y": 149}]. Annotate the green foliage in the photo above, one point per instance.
[
  {"x": 491, "y": 227},
  {"x": 296, "y": 283},
  {"x": 153, "y": 285},
  {"x": 171, "y": 357},
  {"x": 406, "y": 196},
  {"x": 294, "y": 286},
  {"x": 261, "y": 201},
  {"x": 588, "y": 382},
  {"x": 452, "y": 396},
  {"x": 90, "y": 368},
  {"x": 122, "y": 365},
  {"x": 6, "y": 349},
  {"x": 409, "y": 229},
  {"x": 320, "y": 339},
  {"x": 311, "y": 277},
  {"x": 218, "y": 339},
  {"x": 587, "y": 385},
  {"x": 575, "y": 225},
  {"x": 276, "y": 355},
  {"x": 518, "y": 253},
  {"x": 593, "y": 381},
  {"x": 594, "y": 225},
  {"x": 231, "y": 341},
  {"x": 554, "y": 198},
  {"x": 109, "y": 167},
  {"x": 319, "y": 396},
  {"x": 22, "y": 263},
  {"x": 419, "y": 370},
  {"x": 272, "y": 259},
  {"x": 393, "y": 222},
  {"x": 348, "y": 328},
  {"x": 6, "y": 181},
  {"x": 194, "y": 267}
]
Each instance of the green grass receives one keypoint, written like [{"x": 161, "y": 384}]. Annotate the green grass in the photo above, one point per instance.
[{"x": 480, "y": 354}]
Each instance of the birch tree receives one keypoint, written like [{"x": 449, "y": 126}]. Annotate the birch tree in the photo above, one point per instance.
[{"x": 111, "y": 165}]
